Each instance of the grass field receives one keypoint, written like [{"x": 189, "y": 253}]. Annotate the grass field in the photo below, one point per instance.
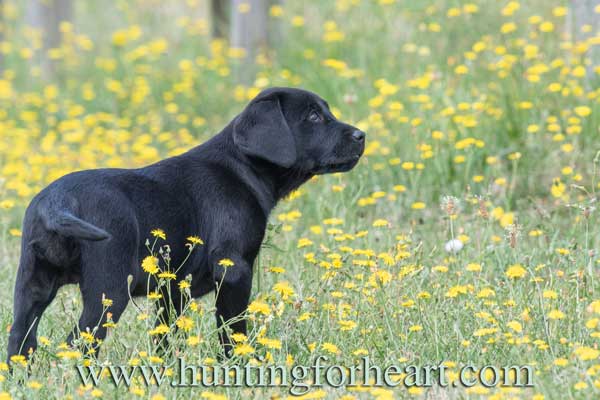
[{"x": 467, "y": 234}]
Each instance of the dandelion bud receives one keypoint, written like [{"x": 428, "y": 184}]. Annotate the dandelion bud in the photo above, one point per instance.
[
  {"x": 450, "y": 205},
  {"x": 513, "y": 232},
  {"x": 298, "y": 305},
  {"x": 483, "y": 211},
  {"x": 587, "y": 211}
]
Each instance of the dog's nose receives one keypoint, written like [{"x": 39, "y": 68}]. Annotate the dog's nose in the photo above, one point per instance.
[{"x": 359, "y": 136}]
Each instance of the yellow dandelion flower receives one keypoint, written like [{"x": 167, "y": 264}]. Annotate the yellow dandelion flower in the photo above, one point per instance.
[
  {"x": 276, "y": 11},
  {"x": 7, "y": 204},
  {"x": 304, "y": 242},
  {"x": 546, "y": 26},
  {"x": 558, "y": 188},
  {"x": 556, "y": 314},
  {"x": 515, "y": 326},
  {"x": 347, "y": 325},
  {"x": 586, "y": 353},
  {"x": 269, "y": 343},
  {"x": 167, "y": 275},
  {"x": 297, "y": 21},
  {"x": 380, "y": 223},
  {"x": 185, "y": 323},
  {"x": 159, "y": 233},
  {"x": 88, "y": 337},
  {"x": 561, "y": 362},
  {"x": 284, "y": 289},
  {"x": 226, "y": 262},
  {"x": 18, "y": 359},
  {"x": 257, "y": 307},
  {"x": 195, "y": 240},
  {"x": 239, "y": 337},
  {"x": 194, "y": 340},
  {"x": 150, "y": 264},
  {"x": 515, "y": 271},
  {"x": 508, "y": 27},
  {"x": 330, "y": 348},
  {"x": 159, "y": 330},
  {"x": 461, "y": 69},
  {"x": 35, "y": 385},
  {"x": 583, "y": 111},
  {"x": 69, "y": 354},
  {"x": 473, "y": 267},
  {"x": 418, "y": 205},
  {"x": 243, "y": 349},
  {"x": 154, "y": 295}
]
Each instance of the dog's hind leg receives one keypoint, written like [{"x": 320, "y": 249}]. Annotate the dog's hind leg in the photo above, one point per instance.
[
  {"x": 35, "y": 288},
  {"x": 101, "y": 297},
  {"x": 96, "y": 315}
]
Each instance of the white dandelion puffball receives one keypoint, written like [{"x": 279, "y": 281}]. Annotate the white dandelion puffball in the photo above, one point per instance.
[{"x": 454, "y": 246}]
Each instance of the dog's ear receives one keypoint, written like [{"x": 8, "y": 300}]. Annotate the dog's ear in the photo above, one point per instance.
[{"x": 262, "y": 131}]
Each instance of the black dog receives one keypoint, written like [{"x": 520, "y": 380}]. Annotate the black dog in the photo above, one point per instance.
[{"x": 88, "y": 227}]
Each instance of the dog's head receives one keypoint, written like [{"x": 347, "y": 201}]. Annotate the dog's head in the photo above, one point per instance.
[{"x": 294, "y": 128}]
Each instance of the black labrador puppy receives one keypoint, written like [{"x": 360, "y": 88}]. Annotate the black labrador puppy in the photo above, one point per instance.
[{"x": 89, "y": 227}]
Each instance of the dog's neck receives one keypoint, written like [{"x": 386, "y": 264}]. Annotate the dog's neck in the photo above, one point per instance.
[
  {"x": 282, "y": 181},
  {"x": 267, "y": 182}
]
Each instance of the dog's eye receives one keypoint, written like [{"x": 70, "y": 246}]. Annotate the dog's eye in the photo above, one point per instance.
[{"x": 315, "y": 117}]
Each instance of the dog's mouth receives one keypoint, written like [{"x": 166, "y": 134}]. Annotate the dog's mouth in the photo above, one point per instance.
[{"x": 337, "y": 166}]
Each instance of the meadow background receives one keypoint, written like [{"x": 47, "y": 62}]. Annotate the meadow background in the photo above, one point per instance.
[{"x": 467, "y": 234}]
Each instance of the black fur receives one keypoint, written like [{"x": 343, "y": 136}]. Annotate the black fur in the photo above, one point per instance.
[{"x": 89, "y": 227}]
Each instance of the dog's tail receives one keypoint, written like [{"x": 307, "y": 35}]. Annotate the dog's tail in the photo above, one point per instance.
[
  {"x": 56, "y": 239},
  {"x": 54, "y": 232},
  {"x": 68, "y": 225}
]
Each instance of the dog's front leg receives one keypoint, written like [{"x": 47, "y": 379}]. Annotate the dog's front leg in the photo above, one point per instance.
[{"x": 232, "y": 289}]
